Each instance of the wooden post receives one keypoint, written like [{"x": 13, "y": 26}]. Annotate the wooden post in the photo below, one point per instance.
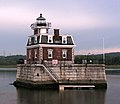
[{"x": 61, "y": 87}]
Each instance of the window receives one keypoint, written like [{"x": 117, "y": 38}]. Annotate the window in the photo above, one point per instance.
[
  {"x": 50, "y": 39},
  {"x": 64, "y": 39},
  {"x": 35, "y": 53},
  {"x": 43, "y": 31},
  {"x": 29, "y": 54},
  {"x": 29, "y": 40},
  {"x": 64, "y": 53},
  {"x": 50, "y": 53},
  {"x": 35, "y": 39},
  {"x": 44, "y": 39}
]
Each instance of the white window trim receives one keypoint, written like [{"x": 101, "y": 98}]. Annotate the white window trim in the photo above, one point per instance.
[
  {"x": 64, "y": 52},
  {"x": 50, "y": 37},
  {"x": 40, "y": 39},
  {"x": 50, "y": 52},
  {"x": 43, "y": 31},
  {"x": 64, "y": 38}
]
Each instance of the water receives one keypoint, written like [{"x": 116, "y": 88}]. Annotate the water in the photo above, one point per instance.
[{"x": 10, "y": 95}]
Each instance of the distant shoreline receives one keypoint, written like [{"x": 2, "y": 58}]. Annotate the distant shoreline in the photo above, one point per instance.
[
  {"x": 112, "y": 66},
  {"x": 8, "y": 66}
]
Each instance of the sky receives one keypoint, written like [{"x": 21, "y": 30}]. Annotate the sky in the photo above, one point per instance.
[{"x": 88, "y": 21}]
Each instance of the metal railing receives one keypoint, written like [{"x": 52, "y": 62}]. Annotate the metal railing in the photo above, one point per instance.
[{"x": 49, "y": 72}]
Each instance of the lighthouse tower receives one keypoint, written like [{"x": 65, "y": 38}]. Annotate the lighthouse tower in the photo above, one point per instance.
[
  {"x": 40, "y": 26},
  {"x": 44, "y": 47}
]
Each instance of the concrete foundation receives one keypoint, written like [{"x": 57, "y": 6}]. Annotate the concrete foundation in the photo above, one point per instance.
[{"x": 52, "y": 76}]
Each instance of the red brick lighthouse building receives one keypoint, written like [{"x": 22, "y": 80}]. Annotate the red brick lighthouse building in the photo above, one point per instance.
[
  {"x": 51, "y": 48},
  {"x": 50, "y": 62}
]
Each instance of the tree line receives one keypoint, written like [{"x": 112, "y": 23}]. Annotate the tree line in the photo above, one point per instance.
[
  {"x": 11, "y": 60},
  {"x": 110, "y": 59}
]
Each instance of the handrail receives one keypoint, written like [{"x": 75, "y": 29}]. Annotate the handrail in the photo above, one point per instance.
[{"x": 49, "y": 73}]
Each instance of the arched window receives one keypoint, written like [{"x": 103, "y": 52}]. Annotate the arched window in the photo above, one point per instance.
[
  {"x": 50, "y": 53},
  {"x": 64, "y": 53}
]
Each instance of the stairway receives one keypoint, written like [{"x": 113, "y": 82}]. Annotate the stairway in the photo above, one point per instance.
[{"x": 50, "y": 72}]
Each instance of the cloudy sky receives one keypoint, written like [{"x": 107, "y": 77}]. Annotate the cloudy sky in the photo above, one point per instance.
[{"x": 88, "y": 21}]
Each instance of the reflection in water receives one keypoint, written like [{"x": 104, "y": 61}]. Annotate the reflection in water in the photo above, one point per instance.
[
  {"x": 10, "y": 95},
  {"x": 7, "y": 92},
  {"x": 27, "y": 96}
]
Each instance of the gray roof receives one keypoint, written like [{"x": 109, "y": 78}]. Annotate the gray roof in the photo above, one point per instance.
[{"x": 44, "y": 40}]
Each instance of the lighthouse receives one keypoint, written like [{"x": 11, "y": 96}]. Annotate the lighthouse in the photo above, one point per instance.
[
  {"x": 50, "y": 62},
  {"x": 53, "y": 48}
]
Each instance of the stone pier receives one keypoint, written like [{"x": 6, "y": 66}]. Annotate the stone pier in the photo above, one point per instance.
[{"x": 52, "y": 76}]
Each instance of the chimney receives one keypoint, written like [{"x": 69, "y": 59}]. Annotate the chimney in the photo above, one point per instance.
[{"x": 56, "y": 32}]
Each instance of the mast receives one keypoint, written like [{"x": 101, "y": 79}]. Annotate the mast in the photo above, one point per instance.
[{"x": 103, "y": 51}]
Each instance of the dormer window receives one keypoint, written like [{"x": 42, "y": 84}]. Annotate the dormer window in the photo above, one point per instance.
[
  {"x": 64, "y": 39},
  {"x": 64, "y": 53},
  {"x": 50, "y": 39},
  {"x": 50, "y": 53}
]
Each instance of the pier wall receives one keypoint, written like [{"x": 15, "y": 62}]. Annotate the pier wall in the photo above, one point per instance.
[{"x": 77, "y": 74}]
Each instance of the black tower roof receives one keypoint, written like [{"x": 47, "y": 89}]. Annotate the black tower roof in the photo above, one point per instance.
[{"x": 40, "y": 18}]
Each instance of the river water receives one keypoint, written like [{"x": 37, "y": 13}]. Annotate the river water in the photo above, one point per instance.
[{"x": 10, "y": 95}]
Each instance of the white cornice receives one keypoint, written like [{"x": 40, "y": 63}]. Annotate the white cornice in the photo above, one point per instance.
[{"x": 50, "y": 45}]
